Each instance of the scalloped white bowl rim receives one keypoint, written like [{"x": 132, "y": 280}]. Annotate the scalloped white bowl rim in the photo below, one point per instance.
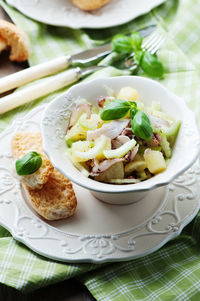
[{"x": 185, "y": 151}]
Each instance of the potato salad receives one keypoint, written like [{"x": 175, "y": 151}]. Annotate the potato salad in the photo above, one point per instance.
[{"x": 120, "y": 140}]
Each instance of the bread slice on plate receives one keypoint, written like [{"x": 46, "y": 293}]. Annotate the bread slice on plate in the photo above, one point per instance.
[
  {"x": 24, "y": 142},
  {"x": 56, "y": 200},
  {"x": 50, "y": 193}
]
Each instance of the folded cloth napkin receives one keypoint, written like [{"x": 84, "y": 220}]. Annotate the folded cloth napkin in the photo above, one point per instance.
[{"x": 173, "y": 272}]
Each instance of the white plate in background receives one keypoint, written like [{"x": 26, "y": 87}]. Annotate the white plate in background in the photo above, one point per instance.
[{"x": 64, "y": 13}]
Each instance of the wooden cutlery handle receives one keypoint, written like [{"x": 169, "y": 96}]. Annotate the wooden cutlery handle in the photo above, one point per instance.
[{"x": 32, "y": 73}]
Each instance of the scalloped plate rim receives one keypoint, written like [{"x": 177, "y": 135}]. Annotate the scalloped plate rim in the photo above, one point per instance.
[
  {"x": 99, "y": 261},
  {"x": 170, "y": 236}
]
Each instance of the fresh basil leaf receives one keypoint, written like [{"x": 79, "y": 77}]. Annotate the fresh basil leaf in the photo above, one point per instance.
[
  {"x": 122, "y": 44},
  {"x": 151, "y": 65},
  {"x": 115, "y": 110},
  {"x": 133, "y": 104},
  {"x": 136, "y": 40},
  {"x": 141, "y": 126},
  {"x": 138, "y": 56},
  {"x": 133, "y": 111},
  {"x": 28, "y": 164}
]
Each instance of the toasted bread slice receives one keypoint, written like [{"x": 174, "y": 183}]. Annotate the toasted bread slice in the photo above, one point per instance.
[
  {"x": 3, "y": 44},
  {"x": 56, "y": 200},
  {"x": 23, "y": 143},
  {"x": 16, "y": 39}
]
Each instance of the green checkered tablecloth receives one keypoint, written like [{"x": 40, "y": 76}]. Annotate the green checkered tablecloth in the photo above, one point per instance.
[{"x": 173, "y": 272}]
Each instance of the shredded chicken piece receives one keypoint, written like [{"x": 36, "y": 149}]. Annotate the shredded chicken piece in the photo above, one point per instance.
[
  {"x": 103, "y": 166},
  {"x": 131, "y": 154},
  {"x": 77, "y": 111},
  {"x": 158, "y": 122},
  {"x": 111, "y": 129},
  {"x": 128, "y": 132}
]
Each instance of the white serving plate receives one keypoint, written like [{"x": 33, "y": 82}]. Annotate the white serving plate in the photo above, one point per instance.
[
  {"x": 98, "y": 232},
  {"x": 64, "y": 13}
]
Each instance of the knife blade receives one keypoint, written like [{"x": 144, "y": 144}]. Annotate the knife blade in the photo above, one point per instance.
[
  {"x": 88, "y": 57},
  {"x": 83, "y": 59}
]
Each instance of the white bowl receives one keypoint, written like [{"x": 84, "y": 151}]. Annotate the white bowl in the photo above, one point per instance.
[{"x": 55, "y": 121}]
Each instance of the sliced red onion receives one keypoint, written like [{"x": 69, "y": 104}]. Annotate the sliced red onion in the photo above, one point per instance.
[
  {"x": 101, "y": 100},
  {"x": 119, "y": 141},
  {"x": 131, "y": 154},
  {"x": 115, "y": 143},
  {"x": 158, "y": 137},
  {"x": 127, "y": 132},
  {"x": 111, "y": 129},
  {"x": 103, "y": 166},
  {"x": 122, "y": 139},
  {"x": 155, "y": 141},
  {"x": 77, "y": 111}
]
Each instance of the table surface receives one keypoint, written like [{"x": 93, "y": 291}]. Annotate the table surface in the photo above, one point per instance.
[{"x": 71, "y": 290}]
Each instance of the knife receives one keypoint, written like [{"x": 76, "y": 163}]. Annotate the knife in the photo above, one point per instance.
[
  {"x": 82, "y": 59},
  {"x": 50, "y": 84}
]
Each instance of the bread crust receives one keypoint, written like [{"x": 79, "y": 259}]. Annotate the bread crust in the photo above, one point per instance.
[
  {"x": 3, "y": 44},
  {"x": 24, "y": 142},
  {"x": 90, "y": 4},
  {"x": 56, "y": 200},
  {"x": 52, "y": 195},
  {"x": 15, "y": 39}
]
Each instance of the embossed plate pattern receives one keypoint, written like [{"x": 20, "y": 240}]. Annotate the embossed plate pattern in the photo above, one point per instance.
[
  {"x": 98, "y": 232},
  {"x": 64, "y": 13}
]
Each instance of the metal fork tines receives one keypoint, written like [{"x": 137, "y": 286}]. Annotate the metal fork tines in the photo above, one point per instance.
[{"x": 153, "y": 42}]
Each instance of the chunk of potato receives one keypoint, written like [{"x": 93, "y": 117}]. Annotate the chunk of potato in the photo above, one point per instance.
[
  {"x": 135, "y": 166},
  {"x": 128, "y": 93},
  {"x": 116, "y": 171},
  {"x": 155, "y": 161}
]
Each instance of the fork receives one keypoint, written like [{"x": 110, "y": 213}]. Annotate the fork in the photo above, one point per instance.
[
  {"x": 153, "y": 42},
  {"x": 150, "y": 44},
  {"x": 48, "y": 85}
]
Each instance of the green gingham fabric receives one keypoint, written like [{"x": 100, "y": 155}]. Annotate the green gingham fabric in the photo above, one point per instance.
[{"x": 173, "y": 272}]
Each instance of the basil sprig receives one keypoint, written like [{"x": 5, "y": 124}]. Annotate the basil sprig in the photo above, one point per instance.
[
  {"x": 141, "y": 126},
  {"x": 122, "y": 44},
  {"x": 140, "y": 123},
  {"x": 115, "y": 110},
  {"x": 136, "y": 41},
  {"x": 132, "y": 45},
  {"x": 151, "y": 65},
  {"x": 28, "y": 164}
]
